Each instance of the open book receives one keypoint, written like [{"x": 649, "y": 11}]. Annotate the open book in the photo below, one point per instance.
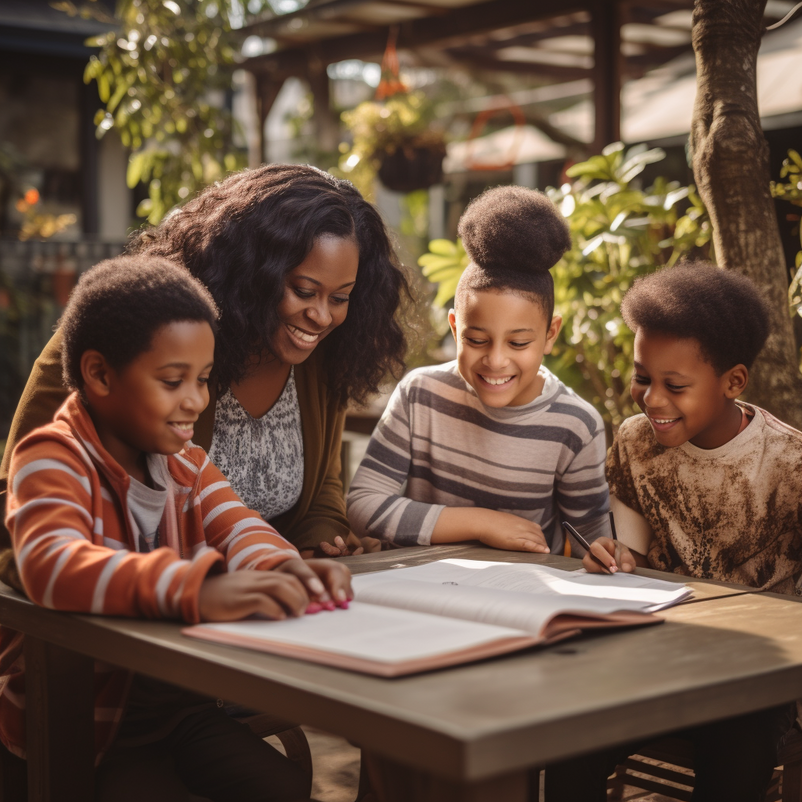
[{"x": 443, "y": 613}]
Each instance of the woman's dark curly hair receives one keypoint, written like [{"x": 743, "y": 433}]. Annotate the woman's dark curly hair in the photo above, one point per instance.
[
  {"x": 513, "y": 237},
  {"x": 722, "y": 310},
  {"x": 121, "y": 303},
  {"x": 243, "y": 236}
]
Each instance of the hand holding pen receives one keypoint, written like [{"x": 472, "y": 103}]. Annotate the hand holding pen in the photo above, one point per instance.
[{"x": 604, "y": 555}]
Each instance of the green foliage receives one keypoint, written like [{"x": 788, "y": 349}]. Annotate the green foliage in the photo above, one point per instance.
[
  {"x": 619, "y": 232},
  {"x": 791, "y": 191},
  {"x": 162, "y": 75},
  {"x": 379, "y": 128}
]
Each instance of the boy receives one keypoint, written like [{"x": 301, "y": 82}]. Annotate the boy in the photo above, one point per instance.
[
  {"x": 103, "y": 521},
  {"x": 702, "y": 485},
  {"x": 492, "y": 447}
]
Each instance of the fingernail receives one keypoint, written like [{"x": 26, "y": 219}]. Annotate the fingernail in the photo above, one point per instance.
[
  {"x": 316, "y": 586},
  {"x": 340, "y": 595},
  {"x": 613, "y": 569},
  {"x": 343, "y": 604},
  {"x": 313, "y": 608}
]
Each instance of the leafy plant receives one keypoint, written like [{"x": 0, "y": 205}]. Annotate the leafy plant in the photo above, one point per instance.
[
  {"x": 791, "y": 191},
  {"x": 619, "y": 232},
  {"x": 379, "y": 129},
  {"x": 162, "y": 75}
]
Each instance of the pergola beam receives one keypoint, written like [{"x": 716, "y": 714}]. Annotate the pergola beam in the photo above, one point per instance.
[{"x": 443, "y": 31}]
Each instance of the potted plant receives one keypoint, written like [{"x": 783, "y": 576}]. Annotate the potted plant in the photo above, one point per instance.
[{"x": 395, "y": 140}]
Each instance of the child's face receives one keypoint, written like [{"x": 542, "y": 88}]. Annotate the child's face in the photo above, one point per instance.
[
  {"x": 150, "y": 406},
  {"x": 681, "y": 394},
  {"x": 501, "y": 339},
  {"x": 315, "y": 298}
]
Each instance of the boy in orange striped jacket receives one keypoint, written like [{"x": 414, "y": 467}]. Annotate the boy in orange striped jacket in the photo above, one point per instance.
[{"x": 112, "y": 510}]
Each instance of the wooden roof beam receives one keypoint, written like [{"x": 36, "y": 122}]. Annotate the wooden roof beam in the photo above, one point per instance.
[{"x": 442, "y": 30}]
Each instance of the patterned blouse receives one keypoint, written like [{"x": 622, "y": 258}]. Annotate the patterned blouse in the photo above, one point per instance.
[{"x": 263, "y": 458}]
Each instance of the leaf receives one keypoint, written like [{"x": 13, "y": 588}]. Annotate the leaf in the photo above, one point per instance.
[
  {"x": 443, "y": 247},
  {"x": 446, "y": 291},
  {"x": 136, "y": 166}
]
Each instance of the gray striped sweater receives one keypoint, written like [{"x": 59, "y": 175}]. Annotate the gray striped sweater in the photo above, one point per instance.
[{"x": 438, "y": 445}]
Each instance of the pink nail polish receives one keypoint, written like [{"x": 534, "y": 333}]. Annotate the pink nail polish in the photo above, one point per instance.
[
  {"x": 343, "y": 605},
  {"x": 313, "y": 608}
]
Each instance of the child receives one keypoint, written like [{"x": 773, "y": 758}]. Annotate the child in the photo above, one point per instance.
[
  {"x": 492, "y": 447},
  {"x": 705, "y": 486},
  {"x": 112, "y": 510}
]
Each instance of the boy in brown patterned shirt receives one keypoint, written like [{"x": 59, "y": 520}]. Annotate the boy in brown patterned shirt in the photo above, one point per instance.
[{"x": 701, "y": 485}]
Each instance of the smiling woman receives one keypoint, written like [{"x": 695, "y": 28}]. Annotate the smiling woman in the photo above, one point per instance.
[{"x": 308, "y": 288}]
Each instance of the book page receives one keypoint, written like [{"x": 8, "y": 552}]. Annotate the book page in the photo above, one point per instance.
[
  {"x": 509, "y": 591},
  {"x": 505, "y": 608},
  {"x": 364, "y": 632}
]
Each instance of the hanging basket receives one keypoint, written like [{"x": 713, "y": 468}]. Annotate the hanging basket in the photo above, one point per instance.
[
  {"x": 479, "y": 124},
  {"x": 411, "y": 167}
]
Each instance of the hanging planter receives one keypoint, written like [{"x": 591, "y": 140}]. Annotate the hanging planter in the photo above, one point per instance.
[
  {"x": 413, "y": 165},
  {"x": 393, "y": 136}
]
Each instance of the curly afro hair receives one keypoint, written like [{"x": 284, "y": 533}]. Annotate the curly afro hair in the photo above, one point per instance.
[
  {"x": 243, "y": 236},
  {"x": 722, "y": 310},
  {"x": 120, "y": 304},
  {"x": 513, "y": 236}
]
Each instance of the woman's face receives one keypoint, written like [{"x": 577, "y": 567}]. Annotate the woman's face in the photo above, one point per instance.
[{"x": 316, "y": 295}]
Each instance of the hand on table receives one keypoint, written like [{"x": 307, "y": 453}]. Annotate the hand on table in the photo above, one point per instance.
[
  {"x": 325, "y": 580},
  {"x": 270, "y": 594},
  {"x": 504, "y": 530},
  {"x": 611, "y": 555},
  {"x": 352, "y": 546}
]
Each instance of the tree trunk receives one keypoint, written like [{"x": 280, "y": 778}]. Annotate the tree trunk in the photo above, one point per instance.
[{"x": 731, "y": 168}]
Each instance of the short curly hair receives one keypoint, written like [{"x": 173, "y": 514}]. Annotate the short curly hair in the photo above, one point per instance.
[
  {"x": 722, "y": 310},
  {"x": 243, "y": 236},
  {"x": 118, "y": 306},
  {"x": 513, "y": 236}
]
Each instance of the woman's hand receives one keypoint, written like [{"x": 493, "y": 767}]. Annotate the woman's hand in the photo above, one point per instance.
[
  {"x": 349, "y": 547},
  {"x": 609, "y": 556},
  {"x": 271, "y": 594},
  {"x": 325, "y": 580}
]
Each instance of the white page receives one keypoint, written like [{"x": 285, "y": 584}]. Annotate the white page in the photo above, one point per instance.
[
  {"x": 488, "y": 605},
  {"x": 625, "y": 591},
  {"x": 370, "y": 632}
]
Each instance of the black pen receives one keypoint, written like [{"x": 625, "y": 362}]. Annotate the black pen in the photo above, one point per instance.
[
  {"x": 612, "y": 525},
  {"x": 585, "y": 545}
]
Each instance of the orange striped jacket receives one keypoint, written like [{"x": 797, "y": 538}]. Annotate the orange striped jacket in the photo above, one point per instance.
[{"x": 75, "y": 544}]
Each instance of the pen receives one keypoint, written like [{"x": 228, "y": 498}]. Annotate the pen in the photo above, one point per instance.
[
  {"x": 612, "y": 525},
  {"x": 585, "y": 545}
]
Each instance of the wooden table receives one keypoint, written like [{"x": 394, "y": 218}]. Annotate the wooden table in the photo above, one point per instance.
[{"x": 466, "y": 733}]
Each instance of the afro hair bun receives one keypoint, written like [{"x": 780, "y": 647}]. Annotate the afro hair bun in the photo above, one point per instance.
[{"x": 514, "y": 229}]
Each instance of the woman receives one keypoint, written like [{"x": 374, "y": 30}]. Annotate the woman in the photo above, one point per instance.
[{"x": 308, "y": 286}]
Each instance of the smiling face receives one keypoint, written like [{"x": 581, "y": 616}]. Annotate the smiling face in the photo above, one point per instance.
[
  {"x": 501, "y": 339},
  {"x": 151, "y": 404},
  {"x": 316, "y": 295},
  {"x": 681, "y": 394}
]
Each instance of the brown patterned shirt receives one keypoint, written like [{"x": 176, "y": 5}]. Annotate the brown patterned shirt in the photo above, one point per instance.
[{"x": 732, "y": 513}]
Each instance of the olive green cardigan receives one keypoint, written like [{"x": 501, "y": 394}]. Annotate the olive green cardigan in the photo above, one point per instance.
[{"x": 319, "y": 514}]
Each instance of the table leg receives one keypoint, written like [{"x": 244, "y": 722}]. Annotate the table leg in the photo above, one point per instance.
[
  {"x": 60, "y": 723},
  {"x": 394, "y": 782}
]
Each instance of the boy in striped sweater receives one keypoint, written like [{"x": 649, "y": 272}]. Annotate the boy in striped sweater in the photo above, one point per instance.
[
  {"x": 491, "y": 447},
  {"x": 112, "y": 510}
]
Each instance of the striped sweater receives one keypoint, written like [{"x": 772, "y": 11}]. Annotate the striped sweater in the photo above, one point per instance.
[
  {"x": 543, "y": 461},
  {"x": 75, "y": 540}
]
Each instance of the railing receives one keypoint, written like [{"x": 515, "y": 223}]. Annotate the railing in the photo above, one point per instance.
[{"x": 36, "y": 278}]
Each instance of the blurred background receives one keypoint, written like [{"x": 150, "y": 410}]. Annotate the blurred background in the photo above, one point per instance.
[{"x": 111, "y": 114}]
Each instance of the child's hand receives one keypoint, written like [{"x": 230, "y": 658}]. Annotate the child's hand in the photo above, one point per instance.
[
  {"x": 271, "y": 594},
  {"x": 610, "y": 553},
  {"x": 511, "y": 532},
  {"x": 325, "y": 580}
]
